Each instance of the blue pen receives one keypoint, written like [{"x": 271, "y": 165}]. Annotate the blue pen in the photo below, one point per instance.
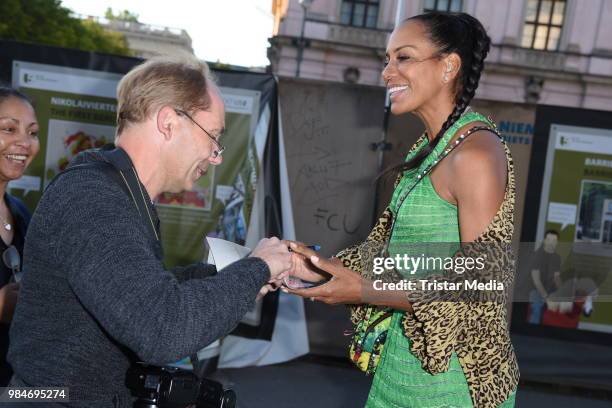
[{"x": 313, "y": 247}]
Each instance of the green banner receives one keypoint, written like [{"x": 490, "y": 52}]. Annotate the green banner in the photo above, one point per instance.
[
  {"x": 76, "y": 110},
  {"x": 221, "y": 201},
  {"x": 577, "y": 203}
]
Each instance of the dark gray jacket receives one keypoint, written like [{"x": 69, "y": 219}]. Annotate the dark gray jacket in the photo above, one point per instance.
[{"x": 96, "y": 297}]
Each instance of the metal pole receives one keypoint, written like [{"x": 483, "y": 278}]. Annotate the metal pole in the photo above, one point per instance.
[
  {"x": 399, "y": 15},
  {"x": 399, "y": 11},
  {"x": 383, "y": 144},
  {"x": 301, "y": 44}
]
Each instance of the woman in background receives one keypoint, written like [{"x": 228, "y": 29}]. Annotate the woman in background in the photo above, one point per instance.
[
  {"x": 455, "y": 186},
  {"x": 18, "y": 147}
]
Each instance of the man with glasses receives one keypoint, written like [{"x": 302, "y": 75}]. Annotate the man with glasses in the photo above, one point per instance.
[
  {"x": 96, "y": 296},
  {"x": 220, "y": 148}
]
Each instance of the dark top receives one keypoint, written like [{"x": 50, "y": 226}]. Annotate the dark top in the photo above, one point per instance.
[
  {"x": 95, "y": 295},
  {"x": 547, "y": 263},
  {"x": 21, "y": 218}
]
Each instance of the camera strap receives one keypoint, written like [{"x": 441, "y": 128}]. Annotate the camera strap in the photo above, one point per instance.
[
  {"x": 122, "y": 163},
  {"x": 115, "y": 162}
]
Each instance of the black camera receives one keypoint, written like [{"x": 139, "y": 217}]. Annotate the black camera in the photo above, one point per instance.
[{"x": 167, "y": 387}]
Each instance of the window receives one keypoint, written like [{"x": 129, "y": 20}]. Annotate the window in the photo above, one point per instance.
[
  {"x": 543, "y": 24},
  {"x": 359, "y": 13},
  {"x": 443, "y": 5}
]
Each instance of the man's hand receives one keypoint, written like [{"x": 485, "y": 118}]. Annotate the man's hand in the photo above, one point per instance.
[
  {"x": 267, "y": 288},
  {"x": 8, "y": 299},
  {"x": 537, "y": 282},
  {"x": 557, "y": 279},
  {"x": 275, "y": 253}
]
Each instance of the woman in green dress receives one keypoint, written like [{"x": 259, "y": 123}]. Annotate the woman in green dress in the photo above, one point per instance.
[{"x": 455, "y": 186}]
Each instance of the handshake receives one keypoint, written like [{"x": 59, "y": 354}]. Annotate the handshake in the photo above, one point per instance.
[
  {"x": 284, "y": 259},
  {"x": 299, "y": 270}
]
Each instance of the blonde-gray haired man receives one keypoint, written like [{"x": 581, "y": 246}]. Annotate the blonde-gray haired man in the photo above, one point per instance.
[{"x": 96, "y": 296}]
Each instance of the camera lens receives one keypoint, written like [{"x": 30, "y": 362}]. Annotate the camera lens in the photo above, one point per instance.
[{"x": 228, "y": 400}]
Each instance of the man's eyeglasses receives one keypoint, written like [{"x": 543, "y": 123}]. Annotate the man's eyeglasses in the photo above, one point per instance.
[{"x": 220, "y": 148}]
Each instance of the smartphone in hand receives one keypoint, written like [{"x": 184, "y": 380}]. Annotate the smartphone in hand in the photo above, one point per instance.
[{"x": 296, "y": 283}]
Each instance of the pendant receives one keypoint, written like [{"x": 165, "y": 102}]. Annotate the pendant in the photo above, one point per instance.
[{"x": 8, "y": 227}]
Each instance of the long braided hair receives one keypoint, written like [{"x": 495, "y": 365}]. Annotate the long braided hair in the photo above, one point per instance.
[{"x": 464, "y": 35}]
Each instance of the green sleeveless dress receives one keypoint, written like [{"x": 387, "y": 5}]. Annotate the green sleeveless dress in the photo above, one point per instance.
[{"x": 424, "y": 217}]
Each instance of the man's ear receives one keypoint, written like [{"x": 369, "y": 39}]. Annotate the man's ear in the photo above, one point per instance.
[{"x": 166, "y": 121}]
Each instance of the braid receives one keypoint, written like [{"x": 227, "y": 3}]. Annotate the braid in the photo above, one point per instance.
[
  {"x": 472, "y": 63},
  {"x": 471, "y": 73}
]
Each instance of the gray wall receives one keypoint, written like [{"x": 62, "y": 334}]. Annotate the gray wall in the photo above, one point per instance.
[{"x": 328, "y": 129}]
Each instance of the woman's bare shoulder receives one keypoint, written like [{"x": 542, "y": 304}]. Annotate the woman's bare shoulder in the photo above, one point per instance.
[{"x": 481, "y": 150}]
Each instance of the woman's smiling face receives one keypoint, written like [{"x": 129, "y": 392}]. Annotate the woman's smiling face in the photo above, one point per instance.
[
  {"x": 413, "y": 71},
  {"x": 18, "y": 137}
]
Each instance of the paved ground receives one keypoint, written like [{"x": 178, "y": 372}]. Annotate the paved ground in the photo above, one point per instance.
[{"x": 313, "y": 382}]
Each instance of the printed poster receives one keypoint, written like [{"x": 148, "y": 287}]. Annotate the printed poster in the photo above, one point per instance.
[
  {"x": 76, "y": 110},
  {"x": 221, "y": 202},
  {"x": 576, "y": 203}
]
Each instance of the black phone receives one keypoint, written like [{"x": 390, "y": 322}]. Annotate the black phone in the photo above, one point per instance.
[{"x": 296, "y": 283}]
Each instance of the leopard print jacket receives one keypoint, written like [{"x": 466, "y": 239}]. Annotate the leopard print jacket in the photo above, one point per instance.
[{"x": 476, "y": 330}]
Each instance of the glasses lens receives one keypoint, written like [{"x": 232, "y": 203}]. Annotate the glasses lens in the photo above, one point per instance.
[
  {"x": 11, "y": 259},
  {"x": 221, "y": 150}
]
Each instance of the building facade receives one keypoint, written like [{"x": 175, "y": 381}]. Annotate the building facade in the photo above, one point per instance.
[
  {"x": 147, "y": 40},
  {"x": 556, "y": 52}
]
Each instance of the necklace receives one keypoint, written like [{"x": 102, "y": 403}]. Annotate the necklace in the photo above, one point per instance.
[{"x": 7, "y": 225}]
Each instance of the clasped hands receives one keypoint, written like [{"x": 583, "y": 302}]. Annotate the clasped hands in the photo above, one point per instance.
[{"x": 337, "y": 284}]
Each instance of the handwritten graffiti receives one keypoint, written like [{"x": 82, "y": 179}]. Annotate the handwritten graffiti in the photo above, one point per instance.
[
  {"x": 310, "y": 169},
  {"x": 319, "y": 179},
  {"x": 334, "y": 221}
]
